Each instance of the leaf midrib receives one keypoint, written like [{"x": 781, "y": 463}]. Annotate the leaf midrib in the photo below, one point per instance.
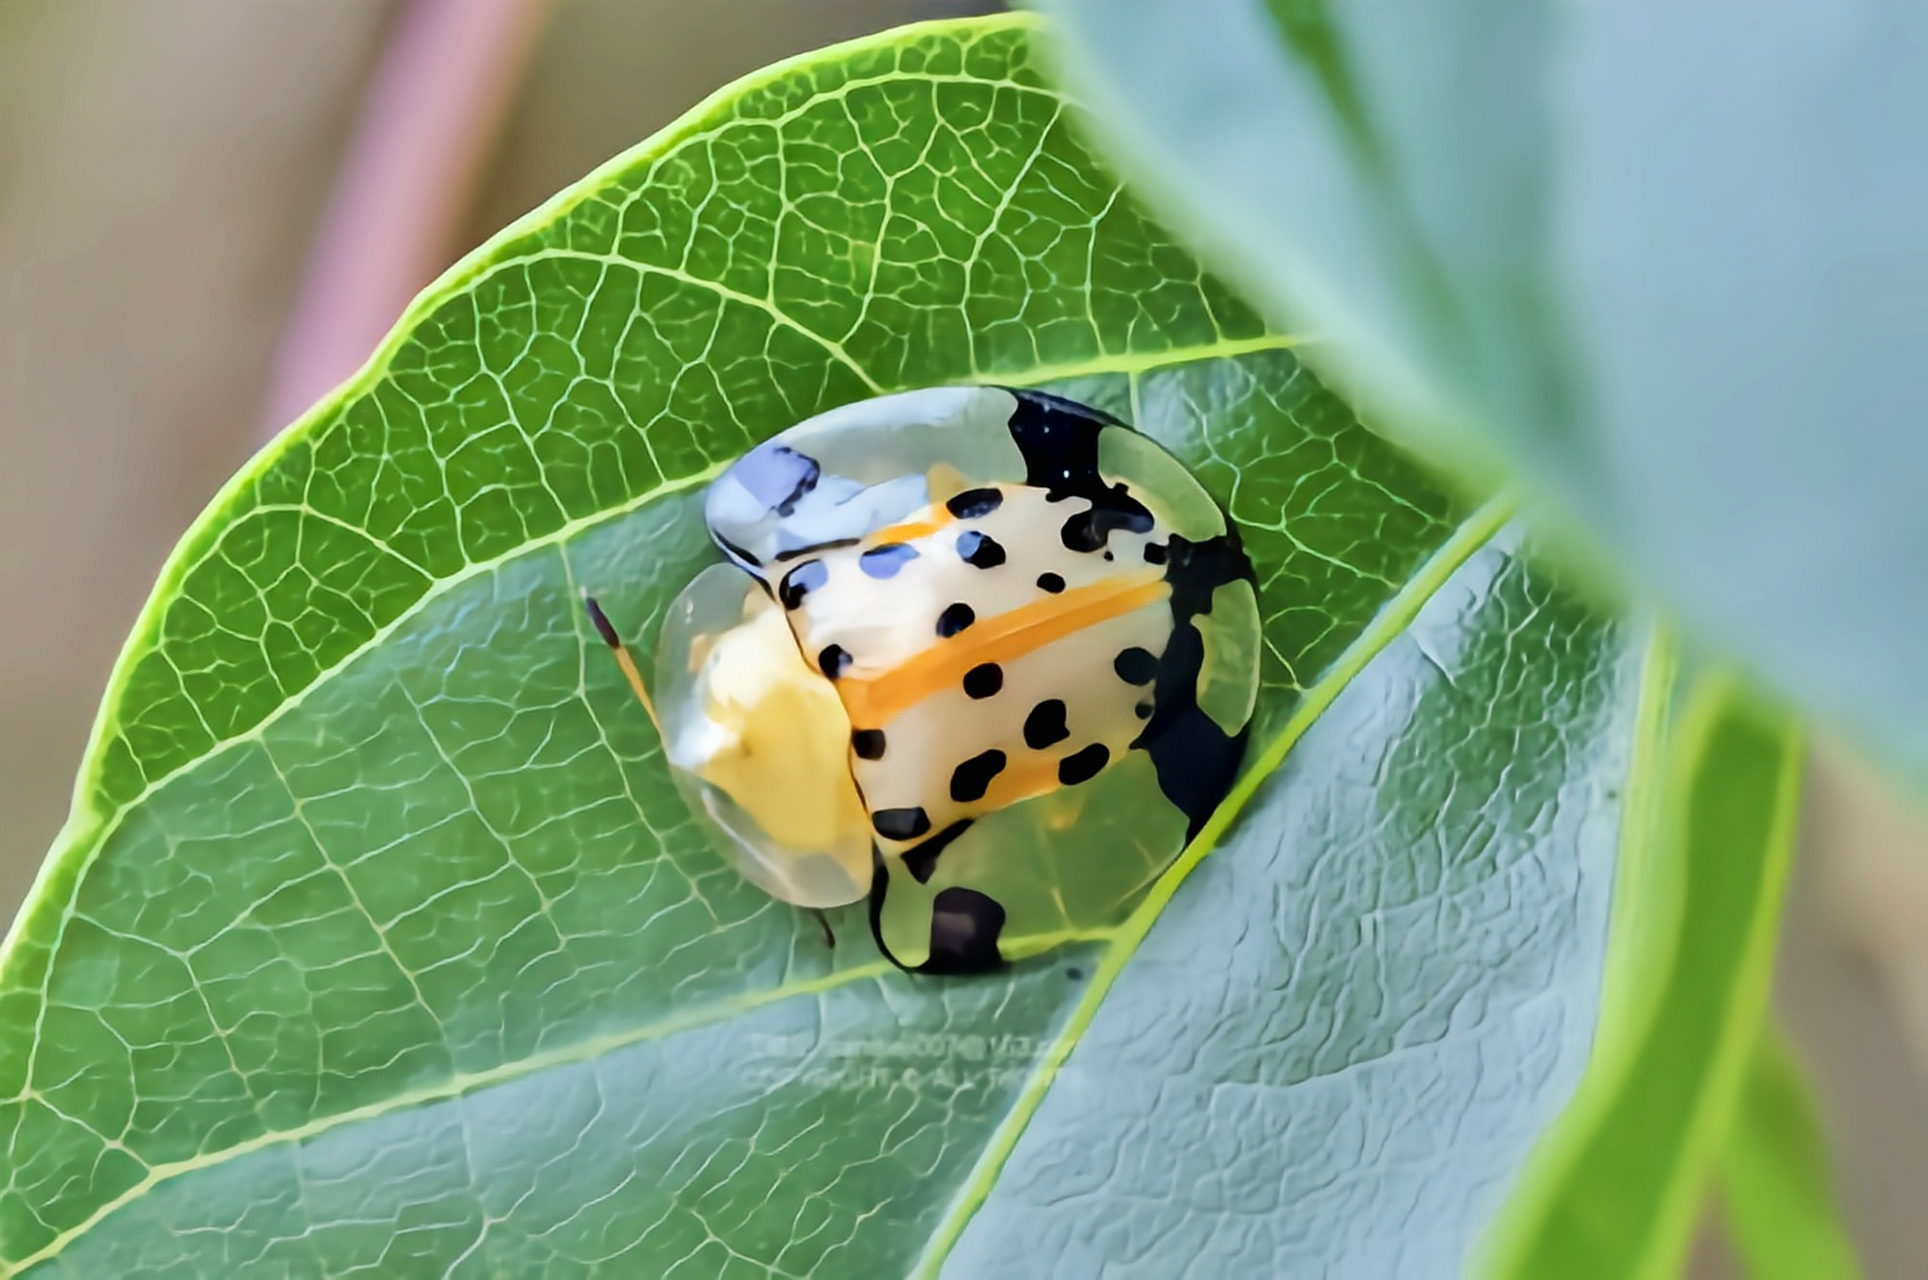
[{"x": 1120, "y": 942}]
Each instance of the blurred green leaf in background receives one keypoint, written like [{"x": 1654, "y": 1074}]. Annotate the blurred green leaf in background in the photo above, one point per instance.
[
  {"x": 1774, "y": 1176},
  {"x": 1619, "y": 1183},
  {"x": 379, "y": 939}
]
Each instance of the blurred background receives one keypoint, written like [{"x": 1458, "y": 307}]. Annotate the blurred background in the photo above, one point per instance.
[{"x": 211, "y": 210}]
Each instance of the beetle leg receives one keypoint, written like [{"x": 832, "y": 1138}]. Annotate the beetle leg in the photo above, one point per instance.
[
  {"x": 879, "y": 881},
  {"x": 965, "y": 925}
]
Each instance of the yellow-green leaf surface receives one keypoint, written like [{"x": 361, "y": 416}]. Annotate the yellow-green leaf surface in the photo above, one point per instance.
[
  {"x": 380, "y": 941},
  {"x": 1776, "y": 1191}
]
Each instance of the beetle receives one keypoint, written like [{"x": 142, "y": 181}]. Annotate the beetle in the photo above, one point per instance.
[{"x": 983, "y": 657}]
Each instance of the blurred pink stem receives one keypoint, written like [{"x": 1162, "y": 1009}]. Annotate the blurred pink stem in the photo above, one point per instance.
[{"x": 439, "y": 98}]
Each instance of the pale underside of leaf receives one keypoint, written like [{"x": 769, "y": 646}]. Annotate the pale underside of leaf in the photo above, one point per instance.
[
  {"x": 1400, "y": 989},
  {"x": 1610, "y": 247}
]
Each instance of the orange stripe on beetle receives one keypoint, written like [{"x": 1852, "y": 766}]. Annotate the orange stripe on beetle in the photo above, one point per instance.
[
  {"x": 876, "y": 701},
  {"x": 909, "y": 531}
]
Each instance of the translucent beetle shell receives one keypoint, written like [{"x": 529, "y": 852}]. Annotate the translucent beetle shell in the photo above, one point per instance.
[{"x": 984, "y": 657}]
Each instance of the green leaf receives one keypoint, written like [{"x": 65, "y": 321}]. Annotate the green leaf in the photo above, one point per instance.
[
  {"x": 1774, "y": 1180},
  {"x": 1619, "y": 1181},
  {"x": 1666, "y": 264},
  {"x": 379, "y": 938},
  {"x": 1331, "y": 1051}
]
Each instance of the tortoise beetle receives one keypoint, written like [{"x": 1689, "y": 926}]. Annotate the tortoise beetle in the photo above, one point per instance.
[{"x": 985, "y": 657}]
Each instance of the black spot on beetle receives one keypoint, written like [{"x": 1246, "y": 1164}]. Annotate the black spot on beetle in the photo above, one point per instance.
[
  {"x": 1050, "y": 582},
  {"x": 970, "y": 780},
  {"x": 1143, "y": 710},
  {"x": 1059, "y": 441},
  {"x": 979, "y": 550},
  {"x": 800, "y": 582},
  {"x": 983, "y": 680},
  {"x": 900, "y": 824},
  {"x": 1045, "y": 725},
  {"x": 1154, "y": 553},
  {"x": 867, "y": 743},
  {"x": 1084, "y": 764},
  {"x": 1195, "y": 759},
  {"x": 965, "y": 925},
  {"x": 955, "y": 618},
  {"x": 885, "y": 561},
  {"x": 1113, "y": 511},
  {"x": 1135, "y": 666},
  {"x": 973, "y": 504},
  {"x": 834, "y": 660}
]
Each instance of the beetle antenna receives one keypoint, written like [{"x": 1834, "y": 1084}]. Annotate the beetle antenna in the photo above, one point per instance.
[
  {"x": 829, "y": 938},
  {"x": 600, "y": 621}
]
